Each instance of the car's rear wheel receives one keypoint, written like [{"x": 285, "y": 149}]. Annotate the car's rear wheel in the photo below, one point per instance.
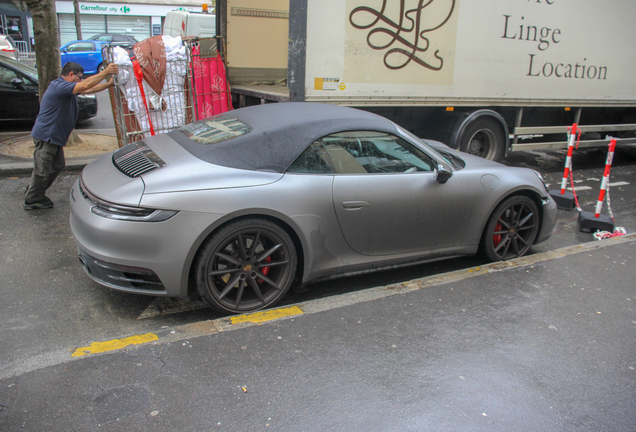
[
  {"x": 511, "y": 229},
  {"x": 246, "y": 266},
  {"x": 101, "y": 67}
]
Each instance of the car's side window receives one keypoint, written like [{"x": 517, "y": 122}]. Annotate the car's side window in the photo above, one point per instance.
[
  {"x": 6, "y": 75},
  {"x": 313, "y": 160},
  {"x": 369, "y": 152},
  {"x": 27, "y": 81},
  {"x": 81, "y": 46}
]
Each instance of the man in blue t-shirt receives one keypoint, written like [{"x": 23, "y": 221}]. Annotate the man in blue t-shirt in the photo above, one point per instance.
[{"x": 55, "y": 122}]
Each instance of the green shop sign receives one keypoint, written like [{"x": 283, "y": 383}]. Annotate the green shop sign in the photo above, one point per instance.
[{"x": 98, "y": 8}]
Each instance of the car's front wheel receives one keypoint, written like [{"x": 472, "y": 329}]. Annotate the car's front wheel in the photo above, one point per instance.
[
  {"x": 511, "y": 229},
  {"x": 101, "y": 67},
  {"x": 246, "y": 266}
]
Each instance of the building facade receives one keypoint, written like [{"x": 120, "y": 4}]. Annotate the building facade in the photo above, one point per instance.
[{"x": 140, "y": 19}]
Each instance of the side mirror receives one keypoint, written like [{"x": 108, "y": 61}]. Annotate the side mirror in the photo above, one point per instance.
[
  {"x": 18, "y": 84},
  {"x": 442, "y": 174}
]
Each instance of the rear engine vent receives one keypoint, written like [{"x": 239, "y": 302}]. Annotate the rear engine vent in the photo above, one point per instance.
[{"x": 136, "y": 159}]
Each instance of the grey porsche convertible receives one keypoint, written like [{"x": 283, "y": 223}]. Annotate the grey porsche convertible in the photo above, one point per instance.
[{"x": 239, "y": 207}]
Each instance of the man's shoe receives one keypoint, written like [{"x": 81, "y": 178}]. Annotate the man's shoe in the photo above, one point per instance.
[{"x": 44, "y": 203}]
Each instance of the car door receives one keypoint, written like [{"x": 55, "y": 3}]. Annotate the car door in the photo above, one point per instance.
[
  {"x": 88, "y": 54},
  {"x": 387, "y": 199},
  {"x": 24, "y": 102}
]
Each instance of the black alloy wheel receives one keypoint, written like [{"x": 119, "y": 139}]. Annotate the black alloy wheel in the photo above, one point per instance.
[
  {"x": 246, "y": 266},
  {"x": 512, "y": 229}
]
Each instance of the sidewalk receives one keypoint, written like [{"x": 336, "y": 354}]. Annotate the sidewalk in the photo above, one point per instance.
[
  {"x": 12, "y": 166},
  {"x": 546, "y": 342}
]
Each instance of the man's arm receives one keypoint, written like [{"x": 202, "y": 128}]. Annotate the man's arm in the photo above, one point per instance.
[
  {"x": 99, "y": 87},
  {"x": 89, "y": 85}
]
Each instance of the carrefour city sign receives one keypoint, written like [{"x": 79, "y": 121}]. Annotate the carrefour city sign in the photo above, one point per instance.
[
  {"x": 118, "y": 8},
  {"x": 98, "y": 8}
]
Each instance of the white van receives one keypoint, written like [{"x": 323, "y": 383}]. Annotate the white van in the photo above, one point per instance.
[{"x": 182, "y": 23}]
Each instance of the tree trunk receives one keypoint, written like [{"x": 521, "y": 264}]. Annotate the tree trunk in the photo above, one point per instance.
[
  {"x": 74, "y": 139},
  {"x": 47, "y": 44},
  {"x": 78, "y": 23}
]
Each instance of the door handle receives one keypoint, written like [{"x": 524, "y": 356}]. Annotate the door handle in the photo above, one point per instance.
[{"x": 354, "y": 205}]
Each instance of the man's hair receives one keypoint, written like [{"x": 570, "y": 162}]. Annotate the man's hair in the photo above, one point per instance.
[{"x": 72, "y": 67}]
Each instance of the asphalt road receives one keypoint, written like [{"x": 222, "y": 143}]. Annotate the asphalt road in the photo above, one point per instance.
[{"x": 543, "y": 345}]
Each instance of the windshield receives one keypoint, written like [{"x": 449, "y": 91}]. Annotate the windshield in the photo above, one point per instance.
[
  {"x": 27, "y": 70},
  {"x": 448, "y": 157},
  {"x": 425, "y": 144}
]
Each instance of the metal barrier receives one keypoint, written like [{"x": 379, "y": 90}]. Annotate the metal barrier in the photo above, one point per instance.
[{"x": 23, "y": 49}]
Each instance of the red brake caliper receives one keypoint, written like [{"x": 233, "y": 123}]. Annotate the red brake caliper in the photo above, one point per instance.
[
  {"x": 265, "y": 270},
  {"x": 497, "y": 237}
]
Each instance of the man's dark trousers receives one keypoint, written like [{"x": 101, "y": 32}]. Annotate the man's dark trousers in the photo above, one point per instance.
[{"x": 48, "y": 161}]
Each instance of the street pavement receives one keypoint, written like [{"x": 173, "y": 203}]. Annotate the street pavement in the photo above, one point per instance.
[{"x": 543, "y": 343}]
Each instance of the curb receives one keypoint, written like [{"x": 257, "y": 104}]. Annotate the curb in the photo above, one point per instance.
[
  {"x": 236, "y": 322},
  {"x": 23, "y": 168}
]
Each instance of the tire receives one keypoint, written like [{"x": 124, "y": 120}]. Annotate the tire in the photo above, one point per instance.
[
  {"x": 101, "y": 67},
  {"x": 235, "y": 278},
  {"x": 484, "y": 137},
  {"x": 511, "y": 229}
]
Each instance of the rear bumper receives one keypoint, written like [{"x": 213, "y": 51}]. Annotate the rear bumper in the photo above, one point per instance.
[
  {"x": 151, "y": 258},
  {"x": 87, "y": 107},
  {"x": 120, "y": 277}
]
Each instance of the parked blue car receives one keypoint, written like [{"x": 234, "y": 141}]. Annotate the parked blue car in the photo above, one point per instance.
[{"x": 87, "y": 53}]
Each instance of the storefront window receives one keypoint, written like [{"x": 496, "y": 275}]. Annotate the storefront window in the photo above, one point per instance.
[
  {"x": 91, "y": 25},
  {"x": 137, "y": 26}
]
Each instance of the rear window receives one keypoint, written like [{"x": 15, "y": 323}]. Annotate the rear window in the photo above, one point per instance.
[{"x": 215, "y": 130}]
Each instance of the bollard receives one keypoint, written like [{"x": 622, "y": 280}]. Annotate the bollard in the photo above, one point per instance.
[
  {"x": 589, "y": 221},
  {"x": 565, "y": 200}
]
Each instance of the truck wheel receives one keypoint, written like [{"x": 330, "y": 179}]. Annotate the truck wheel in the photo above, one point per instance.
[{"x": 485, "y": 138}]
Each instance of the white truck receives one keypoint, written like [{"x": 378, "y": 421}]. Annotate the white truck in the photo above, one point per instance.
[{"x": 486, "y": 77}]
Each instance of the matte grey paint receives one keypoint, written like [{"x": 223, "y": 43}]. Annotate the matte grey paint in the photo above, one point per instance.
[{"x": 343, "y": 223}]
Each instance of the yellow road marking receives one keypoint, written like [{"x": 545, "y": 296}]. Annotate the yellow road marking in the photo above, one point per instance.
[
  {"x": 111, "y": 345},
  {"x": 260, "y": 317}
]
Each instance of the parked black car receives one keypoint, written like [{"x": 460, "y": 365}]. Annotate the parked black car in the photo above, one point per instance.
[
  {"x": 19, "y": 94},
  {"x": 115, "y": 39}
]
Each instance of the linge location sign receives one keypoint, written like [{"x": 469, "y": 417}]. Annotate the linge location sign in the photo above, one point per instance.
[{"x": 489, "y": 49}]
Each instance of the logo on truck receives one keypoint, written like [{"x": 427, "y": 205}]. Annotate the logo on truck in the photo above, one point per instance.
[
  {"x": 410, "y": 40},
  {"x": 406, "y": 39}
]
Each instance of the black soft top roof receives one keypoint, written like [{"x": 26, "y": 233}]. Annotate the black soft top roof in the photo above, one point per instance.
[{"x": 280, "y": 132}]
